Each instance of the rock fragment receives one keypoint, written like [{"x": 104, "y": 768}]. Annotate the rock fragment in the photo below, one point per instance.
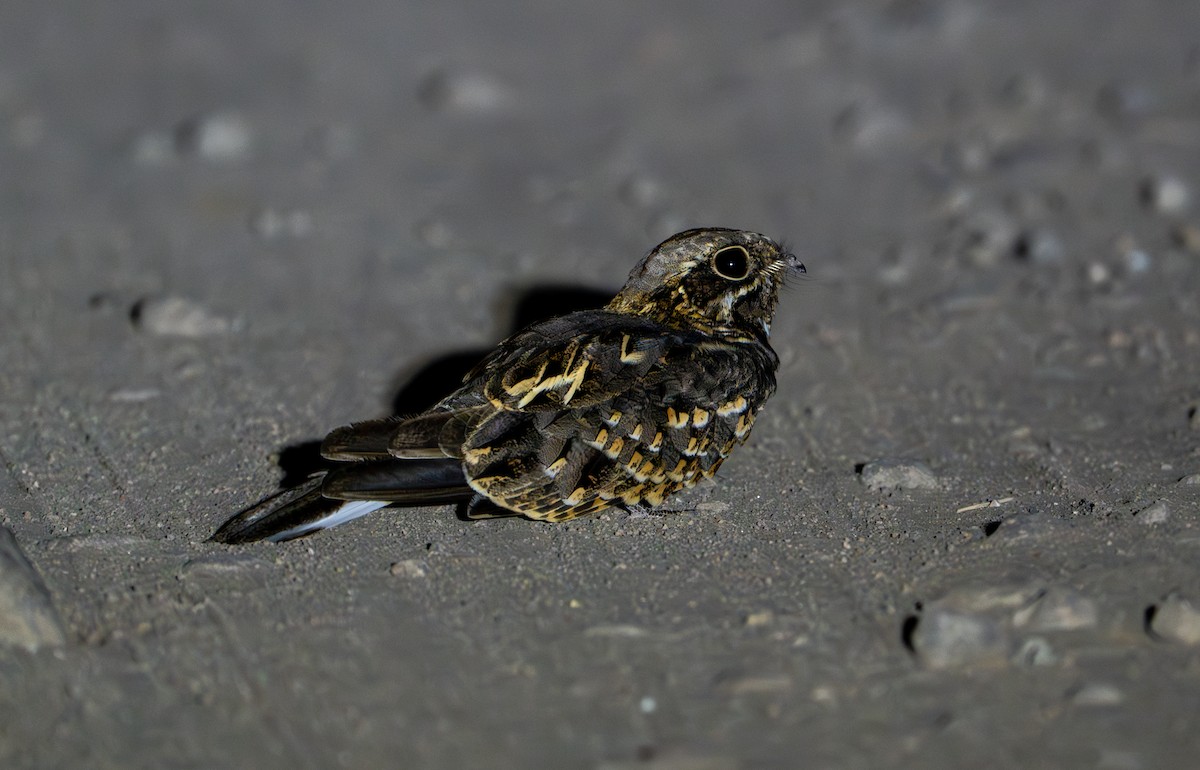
[
  {"x": 1035, "y": 651},
  {"x": 1097, "y": 694},
  {"x": 1165, "y": 194},
  {"x": 1039, "y": 246},
  {"x": 177, "y": 317},
  {"x": 1176, "y": 619},
  {"x": 1187, "y": 237},
  {"x": 990, "y": 235},
  {"x": 464, "y": 92},
  {"x": 759, "y": 619},
  {"x": 982, "y": 597},
  {"x": 898, "y": 474},
  {"x": 1155, "y": 513},
  {"x": 945, "y": 638},
  {"x": 270, "y": 223},
  {"x": 218, "y": 137},
  {"x": 1058, "y": 609},
  {"x": 28, "y": 618},
  {"x": 408, "y": 568},
  {"x": 870, "y": 126}
]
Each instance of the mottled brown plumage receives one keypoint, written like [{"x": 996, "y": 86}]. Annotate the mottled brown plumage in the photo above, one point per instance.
[{"x": 620, "y": 406}]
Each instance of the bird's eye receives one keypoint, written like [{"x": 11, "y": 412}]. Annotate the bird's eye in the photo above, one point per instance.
[{"x": 732, "y": 262}]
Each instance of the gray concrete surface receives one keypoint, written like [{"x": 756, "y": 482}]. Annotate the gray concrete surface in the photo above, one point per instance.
[{"x": 965, "y": 532}]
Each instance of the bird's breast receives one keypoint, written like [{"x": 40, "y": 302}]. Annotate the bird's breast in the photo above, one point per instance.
[{"x": 628, "y": 452}]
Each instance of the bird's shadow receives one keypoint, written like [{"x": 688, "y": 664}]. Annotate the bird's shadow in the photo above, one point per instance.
[{"x": 419, "y": 389}]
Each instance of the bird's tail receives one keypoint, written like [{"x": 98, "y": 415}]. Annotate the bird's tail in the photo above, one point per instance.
[
  {"x": 292, "y": 513},
  {"x": 334, "y": 497}
]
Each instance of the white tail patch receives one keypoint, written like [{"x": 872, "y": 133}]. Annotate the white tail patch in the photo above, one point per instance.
[{"x": 348, "y": 512}]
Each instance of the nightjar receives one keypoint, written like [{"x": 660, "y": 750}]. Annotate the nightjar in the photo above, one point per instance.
[{"x": 622, "y": 406}]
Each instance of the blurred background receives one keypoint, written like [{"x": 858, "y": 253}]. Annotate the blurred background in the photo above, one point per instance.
[{"x": 227, "y": 227}]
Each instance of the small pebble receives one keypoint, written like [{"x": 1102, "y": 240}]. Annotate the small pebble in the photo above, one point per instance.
[
  {"x": 758, "y": 619},
  {"x": 409, "y": 568},
  {"x": 948, "y": 639},
  {"x": 177, "y": 317},
  {"x": 1039, "y": 247},
  {"x": 1176, "y": 619},
  {"x": 1190, "y": 480},
  {"x": 898, "y": 474},
  {"x": 755, "y": 684},
  {"x": 28, "y": 618},
  {"x": 1165, "y": 194},
  {"x": 823, "y": 693},
  {"x": 990, "y": 235},
  {"x": 1035, "y": 651},
  {"x": 648, "y": 705},
  {"x": 270, "y": 224},
  {"x": 984, "y": 598},
  {"x": 617, "y": 631},
  {"x": 219, "y": 137},
  {"x": 1134, "y": 259},
  {"x": 1187, "y": 237},
  {"x": 1098, "y": 694},
  {"x": 1155, "y": 513},
  {"x": 869, "y": 126},
  {"x": 1098, "y": 274},
  {"x": 134, "y": 395},
  {"x": 469, "y": 92},
  {"x": 1059, "y": 609},
  {"x": 1023, "y": 444}
]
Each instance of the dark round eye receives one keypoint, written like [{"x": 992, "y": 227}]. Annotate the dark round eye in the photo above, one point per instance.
[{"x": 732, "y": 262}]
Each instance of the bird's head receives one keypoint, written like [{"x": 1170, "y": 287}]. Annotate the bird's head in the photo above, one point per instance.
[{"x": 720, "y": 281}]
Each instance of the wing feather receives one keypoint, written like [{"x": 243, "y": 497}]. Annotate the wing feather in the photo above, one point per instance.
[{"x": 571, "y": 364}]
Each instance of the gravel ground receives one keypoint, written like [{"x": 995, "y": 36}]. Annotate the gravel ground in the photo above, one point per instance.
[{"x": 965, "y": 532}]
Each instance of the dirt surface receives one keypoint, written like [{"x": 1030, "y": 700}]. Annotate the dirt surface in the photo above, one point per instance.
[{"x": 966, "y": 531}]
